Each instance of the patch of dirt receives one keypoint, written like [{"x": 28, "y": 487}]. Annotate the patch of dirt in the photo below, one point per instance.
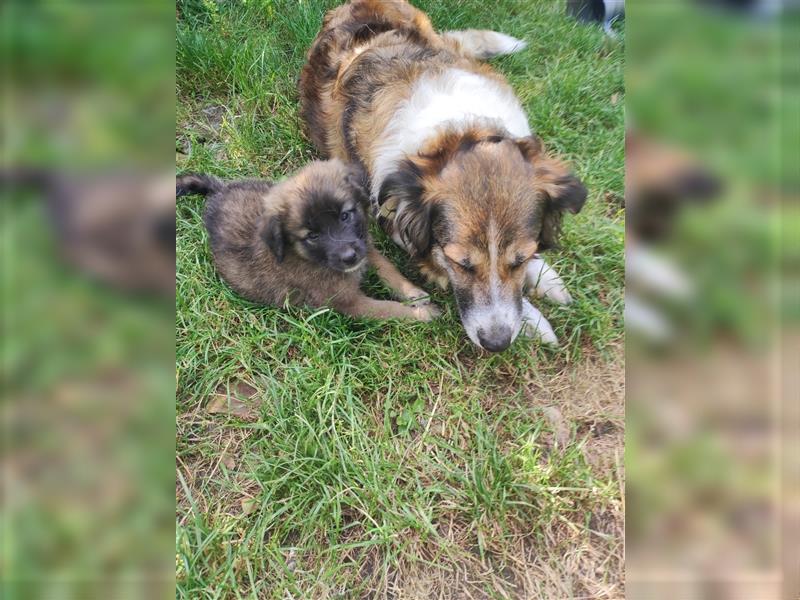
[
  {"x": 582, "y": 402},
  {"x": 589, "y": 399},
  {"x": 210, "y": 456}
]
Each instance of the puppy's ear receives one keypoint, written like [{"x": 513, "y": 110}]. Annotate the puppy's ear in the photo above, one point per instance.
[
  {"x": 563, "y": 191},
  {"x": 357, "y": 180},
  {"x": 272, "y": 234},
  {"x": 402, "y": 209}
]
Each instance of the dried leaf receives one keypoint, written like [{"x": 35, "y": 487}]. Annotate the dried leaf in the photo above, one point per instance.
[
  {"x": 228, "y": 460},
  {"x": 221, "y": 404},
  {"x": 560, "y": 429},
  {"x": 236, "y": 403},
  {"x": 248, "y": 505}
]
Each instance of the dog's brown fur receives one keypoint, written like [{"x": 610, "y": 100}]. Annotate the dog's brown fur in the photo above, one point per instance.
[
  {"x": 361, "y": 66},
  {"x": 256, "y": 232},
  {"x": 473, "y": 187}
]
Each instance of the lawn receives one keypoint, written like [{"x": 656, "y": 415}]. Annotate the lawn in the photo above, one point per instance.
[{"x": 384, "y": 459}]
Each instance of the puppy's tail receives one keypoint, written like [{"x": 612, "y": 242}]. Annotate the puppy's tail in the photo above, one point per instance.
[
  {"x": 196, "y": 183},
  {"x": 483, "y": 43}
]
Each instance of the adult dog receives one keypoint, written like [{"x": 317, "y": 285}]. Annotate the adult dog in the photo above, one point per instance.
[{"x": 457, "y": 178}]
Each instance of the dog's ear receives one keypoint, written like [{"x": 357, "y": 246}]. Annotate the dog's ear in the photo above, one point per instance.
[
  {"x": 272, "y": 234},
  {"x": 414, "y": 224},
  {"x": 402, "y": 209},
  {"x": 357, "y": 180},
  {"x": 530, "y": 146},
  {"x": 566, "y": 193},
  {"x": 563, "y": 191}
]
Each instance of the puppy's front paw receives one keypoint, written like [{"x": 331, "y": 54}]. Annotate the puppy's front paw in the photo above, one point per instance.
[
  {"x": 427, "y": 312},
  {"x": 417, "y": 297}
]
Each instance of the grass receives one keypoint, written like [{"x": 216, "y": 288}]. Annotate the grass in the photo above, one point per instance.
[{"x": 383, "y": 457}]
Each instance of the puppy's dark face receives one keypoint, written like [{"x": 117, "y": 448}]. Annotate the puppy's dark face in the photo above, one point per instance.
[
  {"x": 323, "y": 220},
  {"x": 332, "y": 231},
  {"x": 480, "y": 212}
]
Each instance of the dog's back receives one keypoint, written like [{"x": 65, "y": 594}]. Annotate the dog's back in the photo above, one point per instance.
[
  {"x": 232, "y": 213},
  {"x": 370, "y": 45},
  {"x": 344, "y": 31}
]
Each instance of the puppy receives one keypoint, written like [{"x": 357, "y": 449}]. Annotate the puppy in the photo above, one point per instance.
[
  {"x": 457, "y": 177},
  {"x": 303, "y": 240}
]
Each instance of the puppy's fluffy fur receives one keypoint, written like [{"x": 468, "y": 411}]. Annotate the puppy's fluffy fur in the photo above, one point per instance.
[
  {"x": 303, "y": 240},
  {"x": 457, "y": 177}
]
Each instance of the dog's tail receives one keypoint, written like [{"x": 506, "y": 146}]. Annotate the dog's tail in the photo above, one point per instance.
[
  {"x": 196, "y": 183},
  {"x": 483, "y": 43}
]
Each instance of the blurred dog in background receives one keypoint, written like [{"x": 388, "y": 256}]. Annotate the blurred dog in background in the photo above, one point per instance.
[
  {"x": 660, "y": 182},
  {"x": 117, "y": 227}
]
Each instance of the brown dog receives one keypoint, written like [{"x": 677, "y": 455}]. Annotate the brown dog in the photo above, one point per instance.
[
  {"x": 457, "y": 178},
  {"x": 303, "y": 240}
]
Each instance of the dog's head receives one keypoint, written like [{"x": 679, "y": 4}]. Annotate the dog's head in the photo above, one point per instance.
[
  {"x": 480, "y": 207},
  {"x": 660, "y": 182},
  {"x": 321, "y": 217}
]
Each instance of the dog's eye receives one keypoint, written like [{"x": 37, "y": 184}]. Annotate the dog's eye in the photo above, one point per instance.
[
  {"x": 312, "y": 235},
  {"x": 518, "y": 262},
  {"x": 467, "y": 266},
  {"x": 345, "y": 216}
]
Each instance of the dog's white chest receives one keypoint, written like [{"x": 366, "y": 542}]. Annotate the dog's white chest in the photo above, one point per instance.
[
  {"x": 461, "y": 96},
  {"x": 450, "y": 98}
]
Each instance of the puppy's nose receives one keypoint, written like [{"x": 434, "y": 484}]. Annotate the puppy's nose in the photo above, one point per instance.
[
  {"x": 495, "y": 339},
  {"x": 349, "y": 256}
]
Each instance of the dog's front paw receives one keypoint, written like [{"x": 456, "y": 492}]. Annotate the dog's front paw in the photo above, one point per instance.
[
  {"x": 545, "y": 282},
  {"x": 427, "y": 312},
  {"x": 536, "y": 326}
]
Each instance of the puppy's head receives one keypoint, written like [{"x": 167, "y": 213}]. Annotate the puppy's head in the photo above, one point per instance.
[
  {"x": 321, "y": 217},
  {"x": 481, "y": 206}
]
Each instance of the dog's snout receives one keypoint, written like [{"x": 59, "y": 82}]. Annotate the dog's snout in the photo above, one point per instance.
[
  {"x": 349, "y": 256},
  {"x": 495, "y": 339}
]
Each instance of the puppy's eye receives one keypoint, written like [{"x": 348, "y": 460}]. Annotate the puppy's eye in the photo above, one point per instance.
[
  {"x": 345, "y": 216},
  {"x": 311, "y": 236}
]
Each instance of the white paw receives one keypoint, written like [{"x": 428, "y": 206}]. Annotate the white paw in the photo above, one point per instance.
[
  {"x": 545, "y": 282},
  {"x": 536, "y": 326},
  {"x": 645, "y": 320},
  {"x": 649, "y": 271}
]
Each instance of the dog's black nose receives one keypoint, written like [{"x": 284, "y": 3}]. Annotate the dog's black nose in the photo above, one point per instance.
[
  {"x": 496, "y": 339},
  {"x": 349, "y": 256}
]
